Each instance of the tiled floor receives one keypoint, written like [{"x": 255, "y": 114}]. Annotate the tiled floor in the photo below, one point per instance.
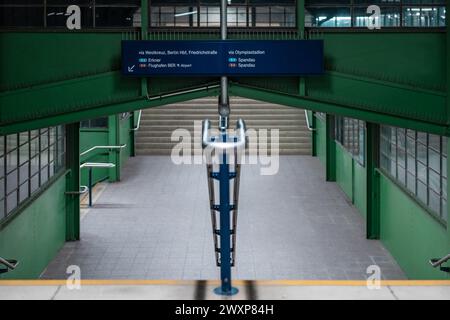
[{"x": 155, "y": 224}]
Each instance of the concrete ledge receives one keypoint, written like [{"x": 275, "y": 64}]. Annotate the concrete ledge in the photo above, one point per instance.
[{"x": 188, "y": 290}]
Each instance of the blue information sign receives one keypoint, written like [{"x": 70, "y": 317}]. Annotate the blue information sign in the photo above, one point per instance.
[{"x": 222, "y": 58}]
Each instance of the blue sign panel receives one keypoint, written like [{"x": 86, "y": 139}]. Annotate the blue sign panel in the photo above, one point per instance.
[{"x": 222, "y": 58}]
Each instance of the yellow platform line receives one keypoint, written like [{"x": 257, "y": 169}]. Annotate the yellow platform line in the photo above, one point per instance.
[{"x": 345, "y": 283}]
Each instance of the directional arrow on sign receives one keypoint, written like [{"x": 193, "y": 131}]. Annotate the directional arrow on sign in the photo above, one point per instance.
[{"x": 131, "y": 69}]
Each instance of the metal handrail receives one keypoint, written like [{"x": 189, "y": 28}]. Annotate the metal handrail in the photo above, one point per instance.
[
  {"x": 83, "y": 190},
  {"x": 241, "y": 141},
  {"x": 10, "y": 264},
  {"x": 97, "y": 165},
  {"x": 90, "y": 166},
  {"x": 438, "y": 262},
  {"x": 178, "y": 93},
  {"x": 103, "y": 147},
  {"x": 310, "y": 128},
  {"x": 139, "y": 122}
]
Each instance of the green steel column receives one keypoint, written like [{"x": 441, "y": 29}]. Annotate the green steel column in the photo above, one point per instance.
[
  {"x": 314, "y": 133},
  {"x": 114, "y": 140},
  {"x": 448, "y": 110},
  {"x": 301, "y": 32},
  {"x": 73, "y": 181},
  {"x": 144, "y": 36},
  {"x": 133, "y": 133},
  {"x": 144, "y": 19},
  {"x": 330, "y": 149},
  {"x": 372, "y": 181}
]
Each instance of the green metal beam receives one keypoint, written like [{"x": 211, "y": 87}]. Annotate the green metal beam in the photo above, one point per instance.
[
  {"x": 380, "y": 96},
  {"x": 372, "y": 181},
  {"x": 108, "y": 109},
  {"x": 73, "y": 182},
  {"x": 67, "y": 96},
  {"x": 338, "y": 109},
  {"x": 144, "y": 19}
]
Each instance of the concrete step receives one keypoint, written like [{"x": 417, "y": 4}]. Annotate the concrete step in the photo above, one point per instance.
[
  {"x": 167, "y": 152},
  {"x": 163, "y": 145},
  {"x": 213, "y": 108},
  {"x": 167, "y": 139},
  {"x": 159, "y": 127},
  {"x": 158, "y": 124},
  {"x": 168, "y": 133},
  {"x": 268, "y": 123}
]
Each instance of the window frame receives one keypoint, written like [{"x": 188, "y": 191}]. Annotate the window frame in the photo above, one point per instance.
[
  {"x": 419, "y": 162},
  {"x": 23, "y": 191},
  {"x": 401, "y": 5},
  {"x": 343, "y": 126}
]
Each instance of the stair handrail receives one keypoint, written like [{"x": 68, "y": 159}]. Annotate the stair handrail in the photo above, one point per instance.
[
  {"x": 103, "y": 147},
  {"x": 10, "y": 264},
  {"x": 138, "y": 122},
  {"x": 240, "y": 143},
  {"x": 83, "y": 190},
  {"x": 440, "y": 261},
  {"x": 310, "y": 128}
]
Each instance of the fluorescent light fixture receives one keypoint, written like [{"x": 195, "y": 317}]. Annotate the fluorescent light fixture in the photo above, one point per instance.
[{"x": 185, "y": 14}]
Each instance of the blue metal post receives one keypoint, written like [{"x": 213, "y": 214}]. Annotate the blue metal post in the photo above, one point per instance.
[{"x": 225, "y": 239}]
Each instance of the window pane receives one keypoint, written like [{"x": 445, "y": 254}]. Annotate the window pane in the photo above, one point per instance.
[
  {"x": 11, "y": 181},
  {"x": 11, "y": 202},
  {"x": 328, "y": 17},
  {"x": 411, "y": 182},
  {"x": 24, "y": 173},
  {"x": 435, "y": 202},
  {"x": 2, "y": 167},
  {"x": 34, "y": 183},
  {"x": 422, "y": 192},
  {"x": 22, "y": 16},
  {"x": 34, "y": 165},
  {"x": 23, "y": 192},
  {"x": 424, "y": 157},
  {"x": 423, "y": 16},
  {"x": 57, "y": 16},
  {"x": 390, "y": 17},
  {"x": 126, "y": 15}
]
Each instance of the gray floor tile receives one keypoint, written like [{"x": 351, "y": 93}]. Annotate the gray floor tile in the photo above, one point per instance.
[{"x": 155, "y": 224}]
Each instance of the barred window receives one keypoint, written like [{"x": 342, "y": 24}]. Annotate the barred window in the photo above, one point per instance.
[
  {"x": 394, "y": 13},
  {"x": 27, "y": 161},
  {"x": 206, "y": 13},
  {"x": 54, "y": 14},
  {"x": 418, "y": 162},
  {"x": 95, "y": 123},
  {"x": 351, "y": 134}
]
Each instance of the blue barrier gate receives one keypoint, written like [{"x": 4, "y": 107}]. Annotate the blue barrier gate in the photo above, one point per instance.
[{"x": 224, "y": 235}]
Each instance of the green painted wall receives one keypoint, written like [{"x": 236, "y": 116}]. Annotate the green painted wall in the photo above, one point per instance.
[
  {"x": 360, "y": 188},
  {"x": 408, "y": 231},
  {"x": 344, "y": 171},
  {"x": 352, "y": 178},
  {"x": 36, "y": 234},
  {"x": 393, "y": 56},
  {"x": 411, "y": 235},
  {"x": 56, "y": 56},
  {"x": 320, "y": 140}
]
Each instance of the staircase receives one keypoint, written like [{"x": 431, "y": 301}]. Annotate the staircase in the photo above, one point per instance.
[{"x": 157, "y": 124}]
